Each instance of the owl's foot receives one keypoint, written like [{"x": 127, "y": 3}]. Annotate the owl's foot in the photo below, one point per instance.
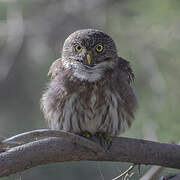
[
  {"x": 104, "y": 138},
  {"x": 85, "y": 134}
]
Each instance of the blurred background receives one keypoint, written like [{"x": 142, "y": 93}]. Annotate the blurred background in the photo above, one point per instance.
[{"x": 147, "y": 33}]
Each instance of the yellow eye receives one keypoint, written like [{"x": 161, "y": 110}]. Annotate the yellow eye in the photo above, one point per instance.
[
  {"x": 78, "y": 48},
  {"x": 99, "y": 48}
]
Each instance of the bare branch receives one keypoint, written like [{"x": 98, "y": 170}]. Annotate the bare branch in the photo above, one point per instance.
[
  {"x": 125, "y": 172},
  {"x": 42, "y": 133},
  {"x": 152, "y": 173},
  {"x": 50, "y": 150}
]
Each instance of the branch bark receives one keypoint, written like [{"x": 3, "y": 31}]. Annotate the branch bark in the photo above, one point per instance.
[
  {"x": 55, "y": 149},
  {"x": 42, "y": 133}
]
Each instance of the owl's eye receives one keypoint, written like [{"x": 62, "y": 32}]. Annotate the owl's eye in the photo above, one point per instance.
[
  {"x": 99, "y": 48},
  {"x": 78, "y": 48}
]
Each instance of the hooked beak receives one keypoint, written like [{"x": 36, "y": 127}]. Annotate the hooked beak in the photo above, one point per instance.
[{"x": 89, "y": 58}]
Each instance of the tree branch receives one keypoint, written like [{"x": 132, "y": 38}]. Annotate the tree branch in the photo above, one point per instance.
[
  {"x": 42, "y": 133},
  {"x": 50, "y": 150},
  {"x": 152, "y": 173}
]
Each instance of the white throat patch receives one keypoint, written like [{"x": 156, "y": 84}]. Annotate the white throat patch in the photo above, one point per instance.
[{"x": 91, "y": 74}]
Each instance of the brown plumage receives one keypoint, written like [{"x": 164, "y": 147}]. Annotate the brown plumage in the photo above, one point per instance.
[{"x": 90, "y": 88}]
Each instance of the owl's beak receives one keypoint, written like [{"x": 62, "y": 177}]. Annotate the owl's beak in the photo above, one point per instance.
[{"x": 88, "y": 57}]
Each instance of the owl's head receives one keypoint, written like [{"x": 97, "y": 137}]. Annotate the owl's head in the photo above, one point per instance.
[{"x": 89, "y": 53}]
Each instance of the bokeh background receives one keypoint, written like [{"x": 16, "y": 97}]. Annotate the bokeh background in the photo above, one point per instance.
[{"x": 147, "y": 33}]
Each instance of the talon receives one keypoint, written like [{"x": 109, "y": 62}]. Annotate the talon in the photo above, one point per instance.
[
  {"x": 104, "y": 139},
  {"x": 107, "y": 138},
  {"x": 85, "y": 134},
  {"x": 98, "y": 135}
]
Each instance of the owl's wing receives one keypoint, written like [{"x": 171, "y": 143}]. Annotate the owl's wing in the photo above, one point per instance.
[
  {"x": 54, "y": 69},
  {"x": 125, "y": 67}
]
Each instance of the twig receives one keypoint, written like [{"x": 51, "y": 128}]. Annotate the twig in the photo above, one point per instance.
[{"x": 125, "y": 172}]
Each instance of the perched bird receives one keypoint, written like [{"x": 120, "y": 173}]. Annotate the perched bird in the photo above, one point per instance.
[{"x": 90, "y": 89}]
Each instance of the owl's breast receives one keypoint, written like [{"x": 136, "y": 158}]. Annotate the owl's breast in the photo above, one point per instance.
[{"x": 94, "y": 111}]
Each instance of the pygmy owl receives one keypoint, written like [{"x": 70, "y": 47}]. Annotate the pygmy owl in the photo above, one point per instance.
[{"x": 90, "y": 88}]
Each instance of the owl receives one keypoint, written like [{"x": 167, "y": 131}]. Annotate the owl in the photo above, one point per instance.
[{"x": 90, "y": 89}]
